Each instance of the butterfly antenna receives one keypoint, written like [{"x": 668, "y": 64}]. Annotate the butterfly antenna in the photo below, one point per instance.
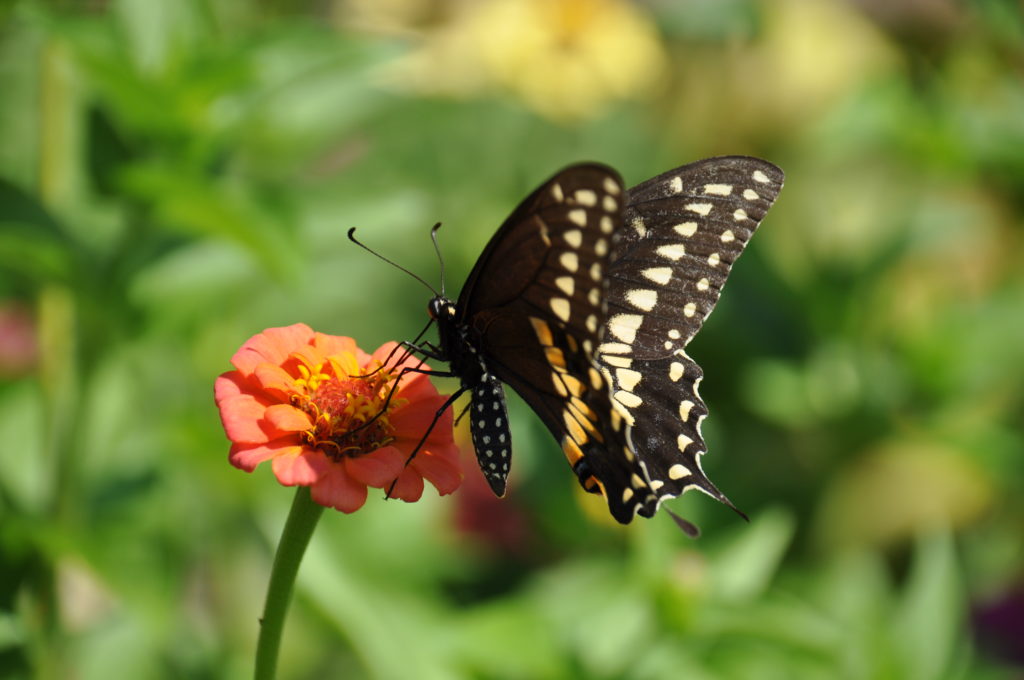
[
  {"x": 437, "y": 249},
  {"x": 351, "y": 237}
]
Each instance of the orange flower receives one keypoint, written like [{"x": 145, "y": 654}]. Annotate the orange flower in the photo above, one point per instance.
[{"x": 309, "y": 403}]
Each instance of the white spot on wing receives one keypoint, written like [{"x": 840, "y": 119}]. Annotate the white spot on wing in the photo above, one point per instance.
[
  {"x": 760, "y": 177},
  {"x": 642, "y": 298},
  {"x": 718, "y": 189},
  {"x": 610, "y": 204},
  {"x": 675, "y": 371},
  {"x": 628, "y": 399},
  {"x": 714, "y": 259},
  {"x": 740, "y": 215},
  {"x": 677, "y": 471},
  {"x": 685, "y": 407},
  {"x": 638, "y": 225},
  {"x": 703, "y": 284},
  {"x": 561, "y": 308},
  {"x": 750, "y": 195},
  {"x": 659, "y": 275},
  {"x": 673, "y": 251},
  {"x": 570, "y": 261},
  {"x": 689, "y": 310},
  {"x": 566, "y": 284},
  {"x": 578, "y": 216},
  {"x": 686, "y": 229},
  {"x": 728, "y": 236},
  {"x": 627, "y": 378},
  {"x": 557, "y": 193},
  {"x": 574, "y": 237},
  {"x": 675, "y": 185},
  {"x": 613, "y": 348},
  {"x": 585, "y": 197},
  {"x": 699, "y": 208},
  {"x": 625, "y": 326},
  {"x": 611, "y": 186}
]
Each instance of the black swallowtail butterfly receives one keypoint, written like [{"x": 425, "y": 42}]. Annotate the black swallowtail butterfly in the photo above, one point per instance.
[{"x": 584, "y": 301}]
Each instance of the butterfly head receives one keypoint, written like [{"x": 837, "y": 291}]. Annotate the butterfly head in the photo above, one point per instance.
[{"x": 441, "y": 308}]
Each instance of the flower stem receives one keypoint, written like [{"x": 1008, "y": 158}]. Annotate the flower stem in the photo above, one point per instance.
[{"x": 298, "y": 529}]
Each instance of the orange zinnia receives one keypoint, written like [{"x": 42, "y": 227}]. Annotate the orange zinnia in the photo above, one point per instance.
[{"x": 317, "y": 406}]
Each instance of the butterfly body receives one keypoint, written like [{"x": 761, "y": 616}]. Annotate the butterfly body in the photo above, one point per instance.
[
  {"x": 583, "y": 302},
  {"x": 488, "y": 414}
]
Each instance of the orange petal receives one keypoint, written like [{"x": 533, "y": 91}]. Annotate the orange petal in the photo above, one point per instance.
[
  {"x": 450, "y": 452},
  {"x": 443, "y": 474},
  {"x": 377, "y": 469},
  {"x": 230, "y": 384},
  {"x": 286, "y": 418},
  {"x": 329, "y": 345},
  {"x": 242, "y": 417},
  {"x": 272, "y": 345},
  {"x": 409, "y": 486},
  {"x": 303, "y": 468},
  {"x": 273, "y": 377},
  {"x": 415, "y": 387},
  {"x": 337, "y": 490},
  {"x": 412, "y": 420},
  {"x": 248, "y": 456}
]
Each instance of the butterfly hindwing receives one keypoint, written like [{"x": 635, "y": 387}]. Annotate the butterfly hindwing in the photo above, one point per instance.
[{"x": 683, "y": 231}]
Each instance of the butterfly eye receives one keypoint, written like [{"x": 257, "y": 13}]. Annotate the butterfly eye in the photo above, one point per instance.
[{"x": 434, "y": 308}]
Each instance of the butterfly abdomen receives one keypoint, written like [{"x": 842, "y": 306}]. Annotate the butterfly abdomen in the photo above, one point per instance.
[{"x": 489, "y": 427}]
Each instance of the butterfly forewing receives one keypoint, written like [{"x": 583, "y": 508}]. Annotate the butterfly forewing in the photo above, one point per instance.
[{"x": 539, "y": 317}]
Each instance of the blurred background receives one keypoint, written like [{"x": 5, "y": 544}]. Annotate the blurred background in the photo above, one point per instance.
[{"x": 177, "y": 175}]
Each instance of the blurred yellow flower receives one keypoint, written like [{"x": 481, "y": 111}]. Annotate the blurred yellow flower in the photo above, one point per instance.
[{"x": 565, "y": 59}]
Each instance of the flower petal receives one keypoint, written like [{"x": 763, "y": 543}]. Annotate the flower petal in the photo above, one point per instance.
[
  {"x": 230, "y": 384},
  {"x": 409, "y": 486},
  {"x": 337, "y": 490},
  {"x": 305, "y": 468},
  {"x": 329, "y": 345},
  {"x": 415, "y": 387},
  {"x": 445, "y": 475},
  {"x": 248, "y": 456},
  {"x": 285, "y": 418},
  {"x": 272, "y": 345},
  {"x": 412, "y": 420},
  {"x": 241, "y": 416},
  {"x": 377, "y": 469},
  {"x": 272, "y": 377}
]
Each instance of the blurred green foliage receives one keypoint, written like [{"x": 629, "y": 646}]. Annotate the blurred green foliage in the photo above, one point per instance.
[{"x": 177, "y": 175}]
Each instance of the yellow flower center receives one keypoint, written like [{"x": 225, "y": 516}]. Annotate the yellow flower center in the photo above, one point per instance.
[{"x": 350, "y": 412}]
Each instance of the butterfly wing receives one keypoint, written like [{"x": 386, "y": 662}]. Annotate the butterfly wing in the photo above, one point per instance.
[
  {"x": 683, "y": 230},
  {"x": 534, "y": 306}
]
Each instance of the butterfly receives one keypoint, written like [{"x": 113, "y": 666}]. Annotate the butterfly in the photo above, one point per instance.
[{"x": 584, "y": 301}]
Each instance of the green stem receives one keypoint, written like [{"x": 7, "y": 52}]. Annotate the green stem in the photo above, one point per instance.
[{"x": 298, "y": 529}]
